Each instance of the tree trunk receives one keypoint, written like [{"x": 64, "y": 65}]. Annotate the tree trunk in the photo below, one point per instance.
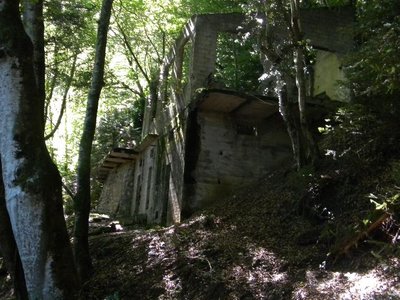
[
  {"x": 8, "y": 248},
  {"x": 34, "y": 27},
  {"x": 292, "y": 124},
  {"x": 312, "y": 154},
  {"x": 82, "y": 198},
  {"x": 309, "y": 142},
  {"x": 273, "y": 64},
  {"x": 31, "y": 180}
]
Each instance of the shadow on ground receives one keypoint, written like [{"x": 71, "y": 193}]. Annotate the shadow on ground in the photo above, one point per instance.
[{"x": 253, "y": 245}]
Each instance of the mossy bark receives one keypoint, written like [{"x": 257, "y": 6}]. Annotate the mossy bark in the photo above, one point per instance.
[
  {"x": 34, "y": 27},
  {"x": 9, "y": 250}
]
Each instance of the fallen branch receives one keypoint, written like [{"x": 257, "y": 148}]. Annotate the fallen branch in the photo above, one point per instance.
[{"x": 355, "y": 240}]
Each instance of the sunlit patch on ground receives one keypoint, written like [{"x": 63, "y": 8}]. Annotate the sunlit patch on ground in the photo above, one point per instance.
[
  {"x": 172, "y": 285},
  {"x": 382, "y": 282},
  {"x": 263, "y": 275},
  {"x": 194, "y": 220}
]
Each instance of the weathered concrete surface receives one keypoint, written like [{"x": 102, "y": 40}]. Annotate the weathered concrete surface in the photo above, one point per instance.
[
  {"x": 230, "y": 158},
  {"x": 329, "y": 29},
  {"x": 116, "y": 197},
  {"x": 327, "y": 75}
]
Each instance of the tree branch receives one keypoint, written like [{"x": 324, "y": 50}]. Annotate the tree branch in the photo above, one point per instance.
[
  {"x": 67, "y": 190},
  {"x": 132, "y": 53},
  {"x": 64, "y": 99}
]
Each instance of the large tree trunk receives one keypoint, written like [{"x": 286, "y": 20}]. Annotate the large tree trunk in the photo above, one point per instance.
[
  {"x": 31, "y": 180},
  {"x": 34, "y": 27},
  {"x": 8, "y": 248},
  {"x": 82, "y": 198}
]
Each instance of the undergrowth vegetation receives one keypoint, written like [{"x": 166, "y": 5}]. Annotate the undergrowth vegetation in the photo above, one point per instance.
[{"x": 357, "y": 189}]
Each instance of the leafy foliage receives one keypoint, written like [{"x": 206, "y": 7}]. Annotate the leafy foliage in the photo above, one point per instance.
[
  {"x": 118, "y": 127},
  {"x": 191, "y": 7},
  {"x": 375, "y": 68},
  {"x": 357, "y": 135},
  {"x": 69, "y": 36},
  {"x": 238, "y": 64}
]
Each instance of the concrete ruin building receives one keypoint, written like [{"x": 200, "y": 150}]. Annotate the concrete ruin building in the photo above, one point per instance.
[{"x": 199, "y": 142}]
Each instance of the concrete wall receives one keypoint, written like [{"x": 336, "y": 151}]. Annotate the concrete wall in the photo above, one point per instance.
[
  {"x": 144, "y": 178},
  {"x": 199, "y": 39},
  {"x": 232, "y": 153},
  {"x": 329, "y": 29},
  {"x": 327, "y": 77},
  {"x": 116, "y": 197},
  {"x": 158, "y": 179}
]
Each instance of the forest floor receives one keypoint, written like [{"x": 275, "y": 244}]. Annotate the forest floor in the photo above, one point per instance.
[
  {"x": 269, "y": 241},
  {"x": 290, "y": 236}
]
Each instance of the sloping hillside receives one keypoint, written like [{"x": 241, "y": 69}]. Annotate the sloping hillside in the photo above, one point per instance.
[
  {"x": 270, "y": 241},
  {"x": 328, "y": 233}
]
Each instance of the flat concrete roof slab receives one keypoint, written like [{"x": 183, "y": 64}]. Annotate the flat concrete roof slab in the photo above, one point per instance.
[{"x": 237, "y": 104}]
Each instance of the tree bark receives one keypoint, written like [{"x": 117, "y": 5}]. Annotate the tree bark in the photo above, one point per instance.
[
  {"x": 34, "y": 27},
  {"x": 82, "y": 198},
  {"x": 31, "y": 180},
  {"x": 9, "y": 250},
  {"x": 309, "y": 142},
  {"x": 289, "y": 116}
]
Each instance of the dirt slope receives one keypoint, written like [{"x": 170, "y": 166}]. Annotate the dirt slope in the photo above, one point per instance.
[{"x": 258, "y": 244}]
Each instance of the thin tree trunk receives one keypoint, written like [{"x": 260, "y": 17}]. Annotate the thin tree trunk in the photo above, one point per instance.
[
  {"x": 9, "y": 248},
  {"x": 289, "y": 117},
  {"x": 31, "y": 180},
  {"x": 311, "y": 145},
  {"x": 82, "y": 198},
  {"x": 272, "y": 61},
  {"x": 309, "y": 141}
]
